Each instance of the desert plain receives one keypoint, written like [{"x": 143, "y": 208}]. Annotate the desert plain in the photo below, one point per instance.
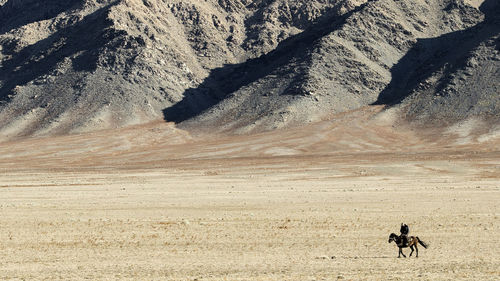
[{"x": 318, "y": 202}]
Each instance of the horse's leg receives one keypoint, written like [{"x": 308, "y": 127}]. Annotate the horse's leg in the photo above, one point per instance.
[
  {"x": 416, "y": 248},
  {"x": 399, "y": 253},
  {"x": 401, "y": 250},
  {"x": 411, "y": 247}
]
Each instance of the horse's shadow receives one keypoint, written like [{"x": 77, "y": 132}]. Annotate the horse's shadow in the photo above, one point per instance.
[{"x": 362, "y": 257}]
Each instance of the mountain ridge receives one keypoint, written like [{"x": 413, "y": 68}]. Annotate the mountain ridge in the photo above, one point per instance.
[{"x": 233, "y": 65}]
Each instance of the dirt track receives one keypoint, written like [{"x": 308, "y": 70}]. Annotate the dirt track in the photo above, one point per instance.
[{"x": 208, "y": 211}]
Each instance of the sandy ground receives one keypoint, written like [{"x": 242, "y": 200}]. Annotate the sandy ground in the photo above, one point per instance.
[{"x": 125, "y": 205}]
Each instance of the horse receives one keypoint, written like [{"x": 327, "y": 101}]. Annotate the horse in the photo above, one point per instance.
[{"x": 412, "y": 242}]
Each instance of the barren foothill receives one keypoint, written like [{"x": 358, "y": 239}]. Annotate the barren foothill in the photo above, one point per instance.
[{"x": 314, "y": 203}]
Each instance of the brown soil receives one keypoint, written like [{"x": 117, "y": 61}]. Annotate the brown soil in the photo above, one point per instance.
[{"x": 153, "y": 202}]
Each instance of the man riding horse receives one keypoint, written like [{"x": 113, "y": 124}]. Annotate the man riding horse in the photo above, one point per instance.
[{"x": 405, "y": 241}]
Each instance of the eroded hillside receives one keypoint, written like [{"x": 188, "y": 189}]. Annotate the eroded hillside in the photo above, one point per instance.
[{"x": 238, "y": 65}]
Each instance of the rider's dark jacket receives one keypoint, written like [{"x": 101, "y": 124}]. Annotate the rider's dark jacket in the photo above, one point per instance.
[{"x": 404, "y": 229}]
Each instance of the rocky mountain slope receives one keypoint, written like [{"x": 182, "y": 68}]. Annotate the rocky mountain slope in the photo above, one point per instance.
[
  {"x": 451, "y": 77},
  {"x": 241, "y": 65}
]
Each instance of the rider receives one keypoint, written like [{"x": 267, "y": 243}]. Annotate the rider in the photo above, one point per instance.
[{"x": 404, "y": 233}]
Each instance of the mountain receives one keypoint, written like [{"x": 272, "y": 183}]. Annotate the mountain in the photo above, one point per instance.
[
  {"x": 452, "y": 77},
  {"x": 241, "y": 65}
]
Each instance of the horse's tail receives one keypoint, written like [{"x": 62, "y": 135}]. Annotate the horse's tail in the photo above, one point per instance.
[{"x": 425, "y": 245}]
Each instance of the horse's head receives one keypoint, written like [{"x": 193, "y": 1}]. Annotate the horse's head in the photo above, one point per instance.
[{"x": 392, "y": 237}]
